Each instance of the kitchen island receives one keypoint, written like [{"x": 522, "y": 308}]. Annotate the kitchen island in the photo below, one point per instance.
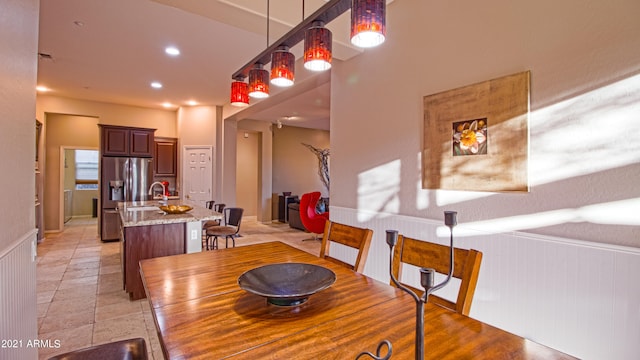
[{"x": 147, "y": 232}]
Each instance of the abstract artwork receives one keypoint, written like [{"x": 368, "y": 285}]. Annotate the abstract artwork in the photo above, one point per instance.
[{"x": 476, "y": 137}]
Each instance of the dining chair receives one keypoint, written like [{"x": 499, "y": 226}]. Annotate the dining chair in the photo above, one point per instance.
[
  {"x": 131, "y": 349},
  {"x": 424, "y": 254},
  {"x": 312, "y": 221},
  {"x": 347, "y": 235},
  {"x": 230, "y": 229}
]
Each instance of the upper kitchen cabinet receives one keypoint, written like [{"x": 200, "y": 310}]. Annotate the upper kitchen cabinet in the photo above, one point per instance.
[
  {"x": 126, "y": 141},
  {"x": 166, "y": 157}
]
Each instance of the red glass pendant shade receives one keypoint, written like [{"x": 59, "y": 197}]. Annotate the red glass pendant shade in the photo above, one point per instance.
[
  {"x": 282, "y": 67},
  {"x": 258, "y": 83},
  {"x": 317, "y": 48},
  {"x": 239, "y": 93},
  {"x": 368, "y": 26}
]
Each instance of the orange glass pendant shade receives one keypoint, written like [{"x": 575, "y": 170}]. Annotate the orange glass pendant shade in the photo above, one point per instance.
[
  {"x": 282, "y": 67},
  {"x": 258, "y": 83},
  {"x": 317, "y": 48},
  {"x": 368, "y": 27},
  {"x": 239, "y": 93}
]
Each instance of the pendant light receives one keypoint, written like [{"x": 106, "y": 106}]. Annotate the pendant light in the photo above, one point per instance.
[
  {"x": 282, "y": 67},
  {"x": 239, "y": 93},
  {"x": 258, "y": 82},
  {"x": 317, "y": 47},
  {"x": 368, "y": 27}
]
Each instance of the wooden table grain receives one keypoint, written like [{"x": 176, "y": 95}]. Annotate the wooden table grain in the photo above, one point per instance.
[{"x": 201, "y": 313}]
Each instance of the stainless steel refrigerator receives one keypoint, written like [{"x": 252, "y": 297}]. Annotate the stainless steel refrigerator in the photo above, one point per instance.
[{"x": 121, "y": 179}]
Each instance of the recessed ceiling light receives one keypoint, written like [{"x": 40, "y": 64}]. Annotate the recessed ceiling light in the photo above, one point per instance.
[
  {"x": 192, "y": 103},
  {"x": 156, "y": 85},
  {"x": 171, "y": 50},
  {"x": 168, "y": 105},
  {"x": 42, "y": 88}
]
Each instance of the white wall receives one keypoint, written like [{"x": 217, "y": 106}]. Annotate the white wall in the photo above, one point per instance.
[
  {"x": 584, "y": 58},
  {"x": 197, "y": 126},
  {"x": 18, "y": 70},
  {"x": 295, "y": 167},
  {"x": 247, "y": 170},
  {"x": 264, "y": 160}
]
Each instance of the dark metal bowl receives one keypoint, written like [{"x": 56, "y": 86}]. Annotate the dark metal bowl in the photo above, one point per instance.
[{"x": 286, "y": 284}]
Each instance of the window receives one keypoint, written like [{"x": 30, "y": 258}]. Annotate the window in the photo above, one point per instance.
[{"x": 86, "y": 169}]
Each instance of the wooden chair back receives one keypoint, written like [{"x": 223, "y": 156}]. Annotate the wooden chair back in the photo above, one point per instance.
[
  {"x": 354, "y": 237},
  {"x": 429, "y": 255}
]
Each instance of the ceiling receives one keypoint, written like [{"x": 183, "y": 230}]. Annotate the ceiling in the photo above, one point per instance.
[{"x": 110, "y": 51}]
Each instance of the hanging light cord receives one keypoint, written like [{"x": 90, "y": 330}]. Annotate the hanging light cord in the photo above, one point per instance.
[{"x": 267, "y": 23}]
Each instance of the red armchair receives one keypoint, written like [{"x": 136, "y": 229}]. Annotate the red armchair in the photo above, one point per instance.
[{"x": 312, "y": 221}]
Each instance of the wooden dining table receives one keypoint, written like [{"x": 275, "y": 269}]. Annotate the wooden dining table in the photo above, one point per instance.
[{"x": 200, "y": 312}]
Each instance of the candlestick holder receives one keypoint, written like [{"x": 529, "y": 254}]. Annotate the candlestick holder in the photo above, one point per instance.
[{"x": 427, "y": 277}]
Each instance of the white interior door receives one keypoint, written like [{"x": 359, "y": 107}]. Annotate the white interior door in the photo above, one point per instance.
[{"x": 198, "y": 173}]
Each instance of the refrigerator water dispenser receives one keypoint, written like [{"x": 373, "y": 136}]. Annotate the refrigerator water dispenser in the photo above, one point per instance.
[{"x": 116, "y": 190}]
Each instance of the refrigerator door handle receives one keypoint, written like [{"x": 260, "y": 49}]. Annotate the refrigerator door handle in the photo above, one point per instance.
[{"x": 127, "y": 176}]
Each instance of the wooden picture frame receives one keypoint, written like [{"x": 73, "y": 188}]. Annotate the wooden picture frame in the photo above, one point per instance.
[{"x": 476, "y": 137}]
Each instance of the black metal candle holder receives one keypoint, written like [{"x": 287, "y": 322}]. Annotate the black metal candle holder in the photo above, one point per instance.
[{"x": 427, "y": 276}]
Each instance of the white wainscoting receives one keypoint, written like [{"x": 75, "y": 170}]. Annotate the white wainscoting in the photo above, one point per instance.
[
  {"x": 18, "y": 312},
  {"x": 578, "y": 297}
]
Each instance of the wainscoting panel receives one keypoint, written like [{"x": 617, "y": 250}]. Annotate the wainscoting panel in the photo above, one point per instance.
[
  {"x": 18, "y": 300},
  {"x": 578, "y": 297}
]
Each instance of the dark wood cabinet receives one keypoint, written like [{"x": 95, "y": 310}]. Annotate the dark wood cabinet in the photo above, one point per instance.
[
  {"x": 126, "y": 141},
  {"x": 141, "y": 142},
  {"x": 166, "y": 157},
  {"x": 145, "y": 242}
]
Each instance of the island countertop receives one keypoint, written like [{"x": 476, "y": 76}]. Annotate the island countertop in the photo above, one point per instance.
[{"x": 132, "y": 214}]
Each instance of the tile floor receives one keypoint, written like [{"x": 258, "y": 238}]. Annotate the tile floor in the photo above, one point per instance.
[{"x": 79, "y": 286}]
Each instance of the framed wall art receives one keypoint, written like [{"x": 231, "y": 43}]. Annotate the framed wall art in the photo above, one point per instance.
[{"x": 476, "y": 137}]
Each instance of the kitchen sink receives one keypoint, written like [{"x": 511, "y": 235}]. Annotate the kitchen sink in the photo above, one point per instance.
[{"x": 142, "y": 208}]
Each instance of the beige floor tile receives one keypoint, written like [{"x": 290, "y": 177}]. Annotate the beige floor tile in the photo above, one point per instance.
[
  {"x": 42, "y": 311},
  {"x": 110, "y": 283},
  {"x": 73, "y": 280},
  {"x": 66, "y": 306},
  {"x": 110, "y": 269},
  {"x": 49, "y": 276},
  {"x": 84, "y": 262},
  {"x": 80, "y": 273},
  {"x": 81, "y": 301},
  {"x": 84, "y": 292},
  {"x": 46, "y": 285},
  {"x": 120, "y": 328},
  {"x": 70, "y": 319},
  {"x": 117, "y": 309},
  {"x": 70, "y": 339},
  {"x": 45, "y": 296},
  {"x": 118, "y": 296}
]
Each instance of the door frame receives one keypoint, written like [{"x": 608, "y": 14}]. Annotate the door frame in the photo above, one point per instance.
[
  {"x": 61, "y": 181},
  {"x": 184, "y": 166}
]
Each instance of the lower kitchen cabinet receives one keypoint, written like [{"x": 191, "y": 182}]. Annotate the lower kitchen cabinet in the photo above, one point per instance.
[{"x": 145, "y": 242}]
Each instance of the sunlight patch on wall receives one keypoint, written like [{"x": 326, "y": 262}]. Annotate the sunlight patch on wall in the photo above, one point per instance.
[
  {"x": 623, "y": 212},
  {"x": 588, "y": 133},
  {"x": 378, "y": 190},
  {"x": 448, "y": 197},
  {"x": 422, "y": 195}
]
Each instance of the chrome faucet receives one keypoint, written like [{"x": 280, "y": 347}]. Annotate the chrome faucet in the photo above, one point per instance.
[{"x": 164, "y": 191}]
